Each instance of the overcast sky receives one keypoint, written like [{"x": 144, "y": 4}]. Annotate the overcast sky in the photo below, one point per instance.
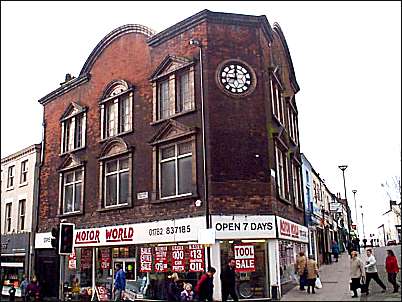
[{"x": 346, "y": 55}]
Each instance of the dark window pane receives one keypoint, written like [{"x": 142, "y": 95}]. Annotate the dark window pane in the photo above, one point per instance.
[
  {"x": 68, "y": 199},
  {"x": 168, "y": 152},
  {"x": 123, "y": 164},
  {"x": 111, "y": 166},
  {"x": 69, "y": 177},
  {"x": 184, "y": 148},
  {"x": 123, "y": 187},
  {"x": 78, "y": 131},
  {"x": 164, "y": 99},
  {"x": 111, "y": 190},
  {"x": 125, "y": 114},
  {"x": 184, "y": 175},
  {"x": 168, "y": 176},
  {"x": 77, "y": 201}
]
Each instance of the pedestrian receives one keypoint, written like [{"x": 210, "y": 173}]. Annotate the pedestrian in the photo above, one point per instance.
[
  {"x": 119, "y": 283},
  {"x": 312, "y": 273},
  {"x": 11, "y": 293},
  {"x": 173, "y": 291},
  {"x": 371, "y": 272},
  {"x": 205, "y": 286},
  {"x": 335, "y": 250},
  {"x": 33, "y": 290},
  {"x": 349, "y": 247},
  {"x": 228, "y": 278},
  {"x": 187, "y": 294},
  {"x": 23, "y": 287},
  {"x": 75, "y": 289},
  {"x": 301, "y": 270},
  {"x": 391, "y": 266},
  {"x": 357, "y": 273}
]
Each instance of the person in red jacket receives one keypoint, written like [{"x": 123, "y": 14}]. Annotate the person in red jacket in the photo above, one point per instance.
[{"x": 391, "y": 265}]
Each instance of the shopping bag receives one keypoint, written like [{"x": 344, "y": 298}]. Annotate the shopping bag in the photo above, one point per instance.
[{"x": 318, "y": 283}]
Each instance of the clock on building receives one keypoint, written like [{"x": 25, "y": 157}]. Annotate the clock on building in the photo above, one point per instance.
[{"x": 236, "y": 78}]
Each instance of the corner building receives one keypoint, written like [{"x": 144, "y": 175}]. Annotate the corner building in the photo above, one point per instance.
[{"x": 124, "y": 160}]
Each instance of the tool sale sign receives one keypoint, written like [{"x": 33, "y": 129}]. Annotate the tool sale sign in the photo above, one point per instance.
[{"x": 244, "y": 257}]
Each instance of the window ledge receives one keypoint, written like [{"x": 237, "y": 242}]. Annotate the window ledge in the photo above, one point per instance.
[
  {"x": 117, "y": 135},
  {"x": 23, "y": 184},
  {"x": 111, "y": 208},
  {"x": 283, "y": 199},
  {"x": 72, "y": 151},
  {"x": 10, "y": 188},
  {"x": 173, "y": 199},
  {"x": 70, "y": 214},
  {"x": 172, "y": 116},
  {"x": 299, "y": 208}
]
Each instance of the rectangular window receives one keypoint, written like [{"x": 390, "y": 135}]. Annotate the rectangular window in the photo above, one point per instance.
[
  {"x": 72, "y": 191},
  {"x": 117, "y": 182},
  {"x": 10, "y": 178},
  {"x": 280, "y": 171},
  {"x": 8, "y": 217},
  {"x": 24, "y": 171},
  {"x": 295, "y": 175},
  {"x": 73, "y": 133},
  {"x": 176, "y": 170},
  {"x": 111, "y": 118},
  {"x": 277, "y": 102},
  {"x": 21, "y": 215},
  {"x": 163, "y": 96},
  {"x": 184, "y": 96},
  {"x": 125, "y": 113}
]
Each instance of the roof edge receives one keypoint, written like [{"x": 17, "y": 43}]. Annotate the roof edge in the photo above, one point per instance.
[{"x": 20, "y": 153}]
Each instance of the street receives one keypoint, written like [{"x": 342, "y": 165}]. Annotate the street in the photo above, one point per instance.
[{"x": 335, "y": 282}]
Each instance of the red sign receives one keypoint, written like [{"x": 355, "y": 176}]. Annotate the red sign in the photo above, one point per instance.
[
  {"x": 196, "y": 259},
  {"x": 289, "y": 229},
  {"x": 87, "y": 236},
  {"x": 178, "y": 261},
  {"x": 161, "y": 259},
  {"x": 245, "y": 258},
  {"x": 86, "y": 258},
  {"x": 72, "y": 261},
  {"x": 146, "y": 260},
  {"x": 102, "y": 294},
  {"x": 120, "y": 234},
  {"x": 105, "y": 258}
]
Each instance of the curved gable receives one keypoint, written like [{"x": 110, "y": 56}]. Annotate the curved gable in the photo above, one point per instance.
[
  {"x": 292, "y": 76},
  {"x": 109, "y": 38}
]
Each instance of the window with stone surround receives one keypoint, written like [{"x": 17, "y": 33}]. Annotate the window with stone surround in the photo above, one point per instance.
[
  {"x": 282, "y": 172},
  {"x": 24, "y": 172},
  {"x": 116, "y": 109},
  {"x": 8, "y": 217},
  {"x": 297, "y": 198},
  {"x": 21, "y": 214},
  {"x": 277, "y": 101},
  {"x": 73, "y": 128},
  {"x": 10, "y": 177}
]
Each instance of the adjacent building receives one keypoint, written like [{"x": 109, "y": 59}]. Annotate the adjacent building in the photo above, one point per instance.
[
  {"x": 171, "y": 152},
  {"x": 19, "y": 192}
]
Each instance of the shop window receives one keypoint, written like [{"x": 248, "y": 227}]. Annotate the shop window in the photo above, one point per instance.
[
  {"x": 21, "y": 215},
  {"x": 8, "y": 217},
  {"x": 10, "y": 177},
  {"x": 24, "y": 172},
  {"x": 116, "y": 109},
  {"x": 73, "y": 125}
]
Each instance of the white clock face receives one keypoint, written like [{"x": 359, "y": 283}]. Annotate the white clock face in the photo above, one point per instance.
[{"x": 235, "y": 78}]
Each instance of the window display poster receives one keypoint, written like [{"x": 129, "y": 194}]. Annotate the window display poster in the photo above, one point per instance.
[
  {"x": 196, "y": 258},
  {"x": 101, "y": 293},
  {"x": 178, "y": 262},
  {"x": 245, "y": 258},
  {"x": 86, "y": 258},
  {"x": 72, "y": 261},
  {"x": 145, "y": 260},
  {"x": 161, "y": 259},
  {"x": 105, "y": 258}
]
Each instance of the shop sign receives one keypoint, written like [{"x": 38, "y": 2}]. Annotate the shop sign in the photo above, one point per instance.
[
  {"x": 161, "y": 259},
  {"x": 43, "y": 240},
  {"x": 86, "y": 258},
  {"x": 196, "y": 259},
  {"x": 174, "y": 230},
  {"x": 146, "y": 260},
  {"x": 244, "y": 257},
  {"x": 101, "y": 293},
  {"x": 334, "y": 206},
  {"x": 105, "y": 258},
  {"x": 291, "y": 230},
  {"x": 72, "y": 261},
  {"x": 178, "y": 261},
  {"x": 244, "y": 227}
]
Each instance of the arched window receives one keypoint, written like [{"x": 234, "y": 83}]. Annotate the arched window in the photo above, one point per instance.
[{"x": 116, "y": 109}]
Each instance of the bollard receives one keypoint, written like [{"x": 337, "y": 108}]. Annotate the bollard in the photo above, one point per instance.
[{"x": 274, "y": 292}]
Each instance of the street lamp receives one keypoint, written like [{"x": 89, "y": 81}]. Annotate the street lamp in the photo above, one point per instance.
[
  {"x": 364, "y": 234},
  {"x": 343, "y": 168},
  {"x": 354, "y": 197}
]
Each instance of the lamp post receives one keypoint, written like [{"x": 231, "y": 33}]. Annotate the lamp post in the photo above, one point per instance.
[
  {"x": 354, "y": 197},
  {"x": 343, "y": 168},
  {"x": 364, "y": 234}
]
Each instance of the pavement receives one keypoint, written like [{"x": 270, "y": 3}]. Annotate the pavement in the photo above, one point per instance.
[{"x": 335, "y": 286}]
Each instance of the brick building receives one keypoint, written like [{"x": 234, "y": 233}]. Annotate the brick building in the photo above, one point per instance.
[{"x": 124, "y": 158}]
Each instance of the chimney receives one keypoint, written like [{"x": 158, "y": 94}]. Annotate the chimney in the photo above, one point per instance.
[{"x": 67, "y": 79}]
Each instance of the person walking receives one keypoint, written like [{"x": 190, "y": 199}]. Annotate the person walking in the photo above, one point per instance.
[
  {"x": 391, "y": 266},
  {"x": 23, "y": 287},
  {"x": 228, "y": 278},
  {"x": 205, "y": 286},
  {"x": 300, "y": 268},
  {"x": 357, "y": 272},
  {"x": 33, "y": 290},
  {"x": 312, "y": 273},
  {"x": 173, "y": 291},
  {"x": 187, "y": 294},
  {"x": 335, "y": 250},
  {"x": 371, "y": 272},
  {"x": 119, "y": 283}
]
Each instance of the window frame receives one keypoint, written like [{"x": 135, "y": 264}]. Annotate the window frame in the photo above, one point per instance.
[
  {"x": 296, "y": 181},
  {"x": 277, "y": 100},
  {"x": 24, "y": 172},
  {"x": 62, "y": 175},
  {"x": 8, "y": 216},
  {"x": 67, "y": 138},
  {"x": 64, "y": 185},
  {"x": 10, "y": 177},
  {"x": 21, "y": 216},
  {"x": 176, "y": 160},
  {"x": 117, "y": 172}
]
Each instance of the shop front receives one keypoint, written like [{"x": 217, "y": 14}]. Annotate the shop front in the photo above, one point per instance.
[
  {"x": 293, "y": 238},
  {"x": 148, "y": 252},
  {"x": 14, "y": 261}
]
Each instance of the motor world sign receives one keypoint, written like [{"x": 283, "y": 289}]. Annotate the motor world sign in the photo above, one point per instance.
[
  {"x": 292, "y": 231},
  {"x": 244, "y": 257}
]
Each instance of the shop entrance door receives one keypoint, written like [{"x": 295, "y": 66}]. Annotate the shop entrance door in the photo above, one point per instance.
[{"x": 128, "y": 265}]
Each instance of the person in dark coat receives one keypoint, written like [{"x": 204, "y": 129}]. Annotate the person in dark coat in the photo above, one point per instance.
[
  {"x": 33, "y": 290},
  {"x": 205, "y": 286},
  {"x": 335, "y": 250},
  {"x": 228, "y": 278},
  {"x": 173, "y": 290}
]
